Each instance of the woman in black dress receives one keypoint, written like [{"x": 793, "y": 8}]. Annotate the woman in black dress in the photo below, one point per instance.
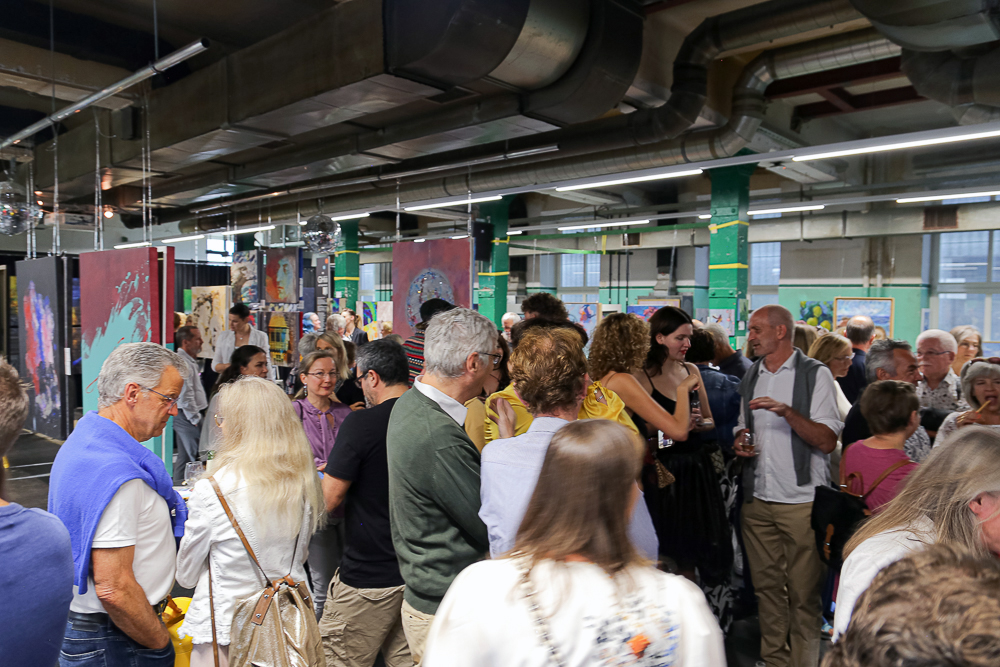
[{"x": 689, "y": 513}]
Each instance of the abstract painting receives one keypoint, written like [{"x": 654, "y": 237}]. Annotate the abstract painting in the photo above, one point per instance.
[
  {"x": 243, "y": 276},
  {"x": 368, "y": 312},
  {"x": 586, "y": 315},
  {"x": 440, "y": 269},
  {"x": 40, "y": 315},
  {"x": 724, "y": 318},
  {"x": 282, "y": 267},
  {"x": 817, "y": 313},
  {"x": 210, "y": 312},
  {"x": 881, "y": 311},
  {"x": 283, "y": 334}
]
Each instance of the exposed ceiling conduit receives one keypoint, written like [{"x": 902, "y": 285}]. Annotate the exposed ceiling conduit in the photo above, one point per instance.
[{"x": 837, "y": 51}]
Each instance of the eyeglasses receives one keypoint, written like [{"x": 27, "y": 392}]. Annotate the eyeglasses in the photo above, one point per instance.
[
  {"x": 219, "y": 420},
  {"x": 986, "y": 360},
  {"x": 357, "y": 381},
  {"x": 847, "y": 357},
  {"x": 323, "y": 376},
  {"x": 497, "y": 358},
  {"x": 171, "y": 402},
  {"x": 930, "y": 354}
]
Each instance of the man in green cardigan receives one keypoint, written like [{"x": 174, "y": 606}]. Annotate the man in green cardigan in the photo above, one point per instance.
[{"x": 434, "y": 467}]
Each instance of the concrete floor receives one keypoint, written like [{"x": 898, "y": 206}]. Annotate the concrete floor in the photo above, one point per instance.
[{"x": 30, "y": 461}]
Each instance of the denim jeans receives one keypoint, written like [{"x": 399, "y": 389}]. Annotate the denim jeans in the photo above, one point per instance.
[{"x": 107, "y": 646}]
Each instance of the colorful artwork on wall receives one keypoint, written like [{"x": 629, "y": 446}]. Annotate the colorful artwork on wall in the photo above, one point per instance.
[
  {"x": 283, "y": 335},
  {"x": 368, "y": 312},
  {"x": 243, "y": 275},
  {"x": 586, "y": 315},
  {"x": 41, "y": 343},
  {"x": 440, "y": 269},
  {"x": 645, "y": 309},
  {"x": 282, "y": 268},
  {"x": 210, "y": 313},
  {"x": 817, "y": 313},
  {"x": 724, "y": 318},
  {"x": 881, "y": 310}
]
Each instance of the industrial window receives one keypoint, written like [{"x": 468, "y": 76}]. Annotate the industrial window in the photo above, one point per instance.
[
  {"x": 964, "y": 257},
  {"x": 580, "y": 270},
  {"x": 367, "y": 282},
  {"x": 547, "y": 270},
  {"x": 765, "y": 263},
  {"x": 219, "y": 250},
  {"x": 959, "y": 308},
  {"x": 760, "y": 300}
]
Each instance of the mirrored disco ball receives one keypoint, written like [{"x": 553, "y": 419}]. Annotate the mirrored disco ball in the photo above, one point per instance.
[
  {"x": 321, "y": 234},
  {"x": 15, "y": 212}
]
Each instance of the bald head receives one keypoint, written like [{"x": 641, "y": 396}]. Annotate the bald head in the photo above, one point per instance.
[
  {"x": 860, "y": 330},
  {"x": 777, "y": 316},
  {"x": 771, "y": 329}
]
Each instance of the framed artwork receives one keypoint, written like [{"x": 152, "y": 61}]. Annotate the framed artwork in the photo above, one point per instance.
[
  {"x": 41, "y": 323},
  {"x": 817, "y": 313},
  {"x": 724, "y": 318},
  {"x": 243, "y": 274},
  {"x": 586, "y": 315},
  {"x": 282, "y": 273},
  {"x": 881, "y": 310},
  {"x": 210, "y": 312},
  {"x": 440, "y": 269},
  {"x": 283, "y": 336},
  {"x": 645, "y": 311}
]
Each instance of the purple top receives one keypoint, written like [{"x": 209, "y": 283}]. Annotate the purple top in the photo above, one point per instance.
[{"x": 321, "y": 427}]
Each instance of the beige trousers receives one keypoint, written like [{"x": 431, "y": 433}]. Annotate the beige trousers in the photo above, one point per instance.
[
  {"x": 357, "y": 623},
  {"x": 416, "y": 625},
  {"x": 788, "y": 577}
]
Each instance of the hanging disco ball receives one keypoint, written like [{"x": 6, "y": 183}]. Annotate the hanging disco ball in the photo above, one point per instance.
[
  {"x": 321, "y": 234},
  {"x": 16, "y": 214}
]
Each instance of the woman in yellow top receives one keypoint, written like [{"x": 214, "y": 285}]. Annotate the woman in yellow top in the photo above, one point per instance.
[{"x": 506, "y": 415}]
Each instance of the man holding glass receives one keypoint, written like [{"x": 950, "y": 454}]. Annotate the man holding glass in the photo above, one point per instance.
[{"x": 789, "y": 408}]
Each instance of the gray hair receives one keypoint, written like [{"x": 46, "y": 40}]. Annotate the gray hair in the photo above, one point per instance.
[
  {"x": 135, "y": 363},
  {"x": 718, "y": 334},
  {"x": 859, "y": 329},
  {"x": 972, "y": 372},
  {"x": 184, "y": 334},
  {"x": 307, "y": 345},
  {"x": 13, "y": 407},
  {"x": 452, "y": 336},
  {"x": 510, "y": 317},
  {"x": 947, "y": 341},
  {"x": 336, "y": 323},
  {"x": 882, "y": 355}
]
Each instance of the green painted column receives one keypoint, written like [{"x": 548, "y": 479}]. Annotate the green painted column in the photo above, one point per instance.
[
  {"x": 347, "y": 269},
  {"x": 727, "y": 263},
  {"x": 493, "y": 282}
]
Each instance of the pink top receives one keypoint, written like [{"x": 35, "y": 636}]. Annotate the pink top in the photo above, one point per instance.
[{"x": 871, "y": 463}]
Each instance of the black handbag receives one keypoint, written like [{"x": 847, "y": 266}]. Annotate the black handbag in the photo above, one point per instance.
[{"x": 836, "y": 514}]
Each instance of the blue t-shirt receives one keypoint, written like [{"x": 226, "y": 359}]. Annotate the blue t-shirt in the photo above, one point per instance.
[{"x": 36, "y": 581}]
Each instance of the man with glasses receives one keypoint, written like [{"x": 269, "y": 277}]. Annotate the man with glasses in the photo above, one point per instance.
[
  {"x": 117, "y": 500},
  {"x": 190, "y": 404},
  {"x": 940, "y": 389},
  {"x": 362, "y": 616},
  {"x": 434, "y": 467}
]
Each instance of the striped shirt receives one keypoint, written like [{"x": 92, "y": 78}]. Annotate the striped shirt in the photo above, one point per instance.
[{"x": 414, "y": 348}]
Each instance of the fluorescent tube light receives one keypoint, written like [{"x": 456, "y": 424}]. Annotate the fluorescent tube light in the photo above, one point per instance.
[
  {"x": 964, "y": 195},
  {"x": 596, "y": 224},
  {"x": 460, "y": 236},
  {"x": 789, "y": 209},
  {"x": 419, "y": 240},
  {"x": 247, "y": 231},
  {"x": 194, "y": 237},
  {"x": 637, "y": 179},
  {"x": 139, "y": 244},
  {"x": 336, "y": 218},
  {"x": 705, "y": 216},
  {"x": 453, "y": 202},
  {"x": 900, "y": 145},
  {"x": 514, "y": 232}
]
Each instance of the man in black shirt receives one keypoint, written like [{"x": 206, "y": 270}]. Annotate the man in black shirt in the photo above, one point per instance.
[
  {"x": 860, "y": 330},
  {"x": 362, "y": 612}
]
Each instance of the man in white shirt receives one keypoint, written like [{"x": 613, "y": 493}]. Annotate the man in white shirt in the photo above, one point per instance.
[
  {"x": 789, "y": 405},
  {"x": 191, "y": 403}
]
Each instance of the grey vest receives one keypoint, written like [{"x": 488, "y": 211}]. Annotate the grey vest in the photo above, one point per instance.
[{"x": 805, "y": 380}]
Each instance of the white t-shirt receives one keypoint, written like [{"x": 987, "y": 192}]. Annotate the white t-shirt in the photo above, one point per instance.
[
  {"x": 484, "y": 619},
  {"x": 869, "y": 558},
  {"x": 136, "y": 516}
]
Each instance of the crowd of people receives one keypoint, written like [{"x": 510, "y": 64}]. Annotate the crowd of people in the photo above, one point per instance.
[{"x": 521, "y": 495}]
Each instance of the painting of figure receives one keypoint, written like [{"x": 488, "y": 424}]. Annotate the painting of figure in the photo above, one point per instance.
[
  {"x": 243, "y": 276},
  {"x": 281, "y": 268},
  {"x": 440, "y": 269},
  {"x": 210, "y": 313},
  {"x": 41, "y": 342}
]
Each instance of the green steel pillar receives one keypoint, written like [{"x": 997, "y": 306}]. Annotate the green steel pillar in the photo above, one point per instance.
[
  {"x": 727, "y": 263},
  {"x": 347, "y": 269},
  {"x": 493, "y": 282}
]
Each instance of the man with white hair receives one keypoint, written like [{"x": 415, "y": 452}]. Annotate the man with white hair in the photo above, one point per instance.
[
  {"x": 337, "y": 325},
  {"x": 789, "y": 406},
  {"x": 434, "y": 468},
  {"x": 940, "y": 389},
  {"x": 730, "y": 361},
  {"x": 117, "y": 500},
  {"x": 508, "y": 320}
]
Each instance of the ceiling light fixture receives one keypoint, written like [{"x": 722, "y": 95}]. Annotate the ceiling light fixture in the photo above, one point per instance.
[
  {"x": 595, "y": 225},
  {"x": 140, "y": 244},
  {"x": 789, "y": 209},
  {"x": 636, "y": 179},
  {"x": 964, "y": 195},
  {"x": 452, "y": 202},
  {"x": 247, "y": 231},
  {"x": 460, "y": 236},
  {"x": 705, "y": 216},
  {"x": 108, "y": 213},
  {"x": 514, "y": 232},
  {"x": 419, "y": 240},
  {"x": 336, "y": 218},
  {"x": 193, "y": 237},
  {"x": 917, "y": 143}
]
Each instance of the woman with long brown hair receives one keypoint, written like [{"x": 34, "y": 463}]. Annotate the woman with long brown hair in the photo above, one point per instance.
[
  {"x": 690, "y": 512},
  {"x": 574, "y": 591}
]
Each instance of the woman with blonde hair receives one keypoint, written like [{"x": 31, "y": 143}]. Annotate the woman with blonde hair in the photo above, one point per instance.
[
  {"x": 574, "y": 591},
  {"x": 345, "y": 388},
  {"x": 970, "y": 345},
  {"x": 265, "y": 471},
  {"x": 952, "y": 498},
  {"x": 836, "y": 352}
]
